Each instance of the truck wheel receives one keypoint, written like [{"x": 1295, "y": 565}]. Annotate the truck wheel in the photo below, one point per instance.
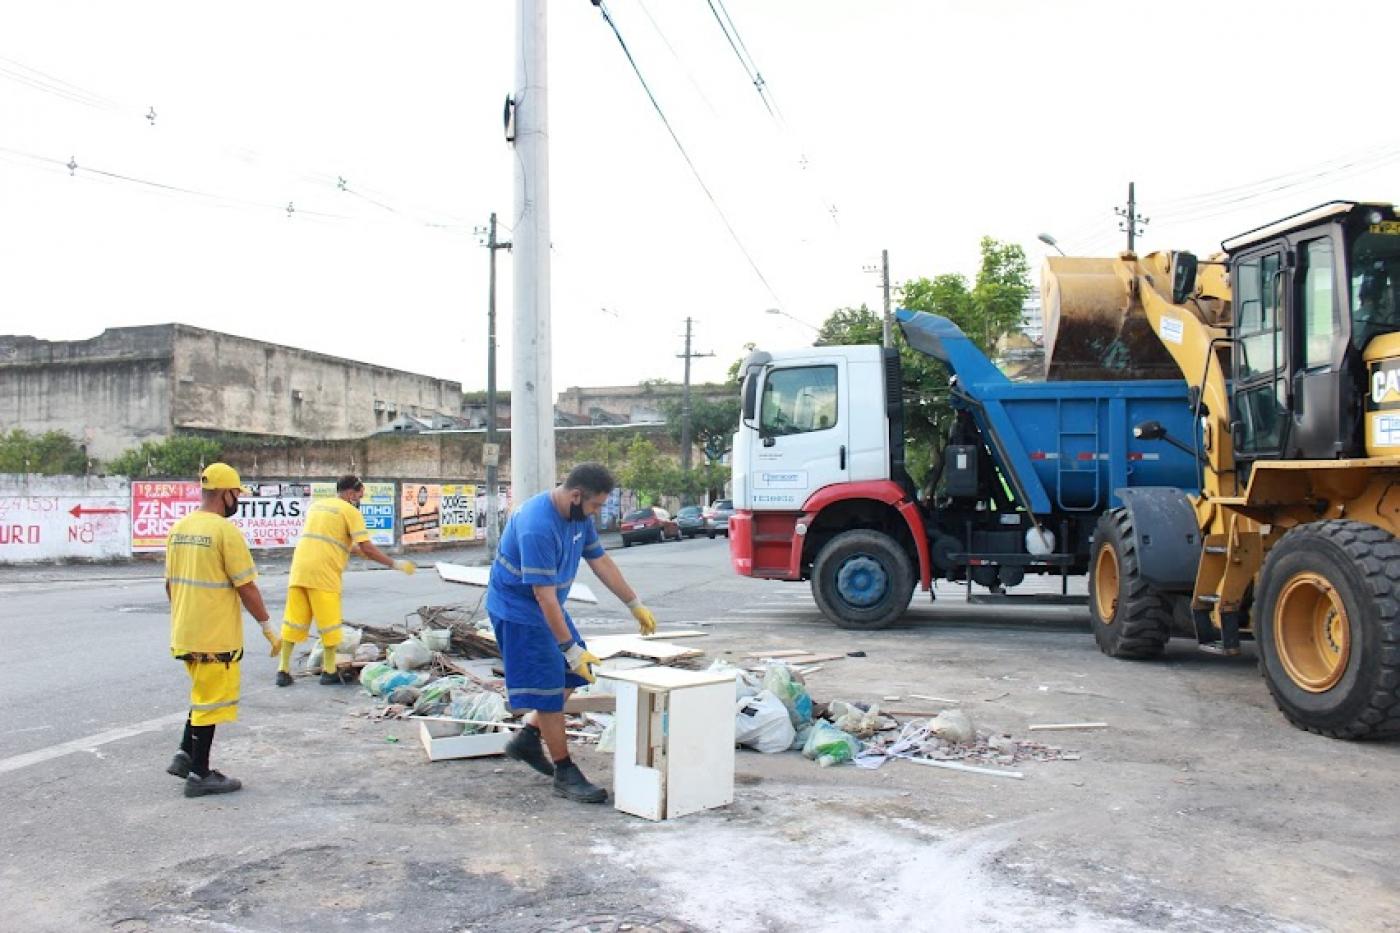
[
  {"x": 1327, "y": 624},
  {"x": 862, "y": 580},
  {"x": 1128, "y": 617}
]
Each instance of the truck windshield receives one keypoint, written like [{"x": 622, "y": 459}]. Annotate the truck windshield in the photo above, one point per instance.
[{"x": 1375, "y": 268}]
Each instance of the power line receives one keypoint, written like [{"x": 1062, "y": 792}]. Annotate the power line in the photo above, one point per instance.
[
  {"x": 607, "y": 18},
  {"x": 747, "y": 63}
]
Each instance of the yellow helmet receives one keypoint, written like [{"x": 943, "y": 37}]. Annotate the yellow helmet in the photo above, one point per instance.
[{"x": 220, "y": 476}]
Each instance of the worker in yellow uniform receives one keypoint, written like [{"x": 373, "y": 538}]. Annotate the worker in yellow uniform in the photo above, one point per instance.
[
  {"x": 208, "y": 573},
  {"x": 334, "y": 529}
]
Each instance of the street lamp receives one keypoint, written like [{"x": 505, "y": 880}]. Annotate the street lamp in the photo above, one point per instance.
[
  {"x": 1048, "y": 240},
  {"x": 791, "y": 318}
]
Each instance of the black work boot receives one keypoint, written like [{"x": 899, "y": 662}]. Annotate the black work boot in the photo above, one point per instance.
[
  {"x": 526, "y": 746},
  {"x": 212, "y": 783},
  {"x": 328, "y": 680},
  {"x": 569, "y": 782},
  {"x": 284, "y": 679},
  {"x": 180, "y": 764}
]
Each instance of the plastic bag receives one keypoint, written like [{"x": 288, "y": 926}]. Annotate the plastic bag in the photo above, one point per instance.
[
  {"x": 778, "y": 679},
  {"x": 480, "y": 705},
  {"x": 746, "y": 683},
  {"x": 372, "y": 677},
  {"x": 607, "y": 739},
  {"x": 367, "y": 653},
  {"x": 410, "y": 654},
  {"x": 851, "y": 718},
  {"x": 953, "y": 725},
  {"x": 395, "y": 679},
  {"x": 761, "y": 722},
  {"x": 828, "y": 745},
  {"x": 438, "y": 694}
]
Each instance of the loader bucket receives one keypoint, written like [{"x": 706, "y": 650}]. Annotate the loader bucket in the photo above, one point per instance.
[{"x": 1095, "y": 328}]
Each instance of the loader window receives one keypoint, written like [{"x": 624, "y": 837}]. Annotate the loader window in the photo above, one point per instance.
[
  {"x": 798, "y": 400},
  {"x": 1375, "y": 267},
  {"x": 1259, "y": 372},
  {"x": 1322, "y": 317}
]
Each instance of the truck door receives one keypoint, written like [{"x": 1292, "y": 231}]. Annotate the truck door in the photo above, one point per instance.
[
  {"x": 1319, "y": 428},
  {"x": 1260, "y": 399},
  {"x": 804, "y": 433}
]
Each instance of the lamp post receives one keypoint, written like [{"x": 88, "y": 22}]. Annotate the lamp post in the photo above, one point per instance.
[{"x": 1049, "y": 241}]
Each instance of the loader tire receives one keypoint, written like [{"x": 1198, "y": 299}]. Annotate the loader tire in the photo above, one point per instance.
[
  {"x": 1128, "y": 617},
  {"x": 862, "y": 580},
  {"x": 1327, "y": 626}
]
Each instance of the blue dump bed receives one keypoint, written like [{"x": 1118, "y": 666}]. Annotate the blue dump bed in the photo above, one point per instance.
[{"x": 1063, "y": 446}]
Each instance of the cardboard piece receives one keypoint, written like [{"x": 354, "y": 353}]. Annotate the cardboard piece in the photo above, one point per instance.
[
  {"x": 481, "y": 576},
  {"x": 607, "y": 646}
]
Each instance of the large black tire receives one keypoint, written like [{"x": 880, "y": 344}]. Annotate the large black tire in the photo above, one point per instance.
[
  {"x": 1128, "y": 617},
  {"x": 1327, "y": 625},
  {"x": 862, "y": 580}
]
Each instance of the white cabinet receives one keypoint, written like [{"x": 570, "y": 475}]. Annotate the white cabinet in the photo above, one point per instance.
[{"x": 675, "y": 741}]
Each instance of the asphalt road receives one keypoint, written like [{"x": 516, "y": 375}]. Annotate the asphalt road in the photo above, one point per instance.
[{"x": 1198, "y": 809}]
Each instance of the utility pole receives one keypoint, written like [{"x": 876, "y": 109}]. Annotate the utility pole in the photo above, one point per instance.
[
  {"x": 1132, "y": 220},
  {"x": 532, "y": 464},
  {"x": 491, "y": 453},
  {"x": 685, "y": 399},
  {"x": 887, "y": 326}
]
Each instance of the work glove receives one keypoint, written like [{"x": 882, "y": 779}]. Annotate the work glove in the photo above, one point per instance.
[
  {"x": 581, "y": 660},
  {"x": 646, "y": 622},
  {"x": 274, "y": 640},
  {"x": 406, "y": 566}
]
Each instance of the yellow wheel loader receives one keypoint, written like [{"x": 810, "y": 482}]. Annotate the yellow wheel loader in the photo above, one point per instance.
[{"x": 1289, "y": 341}]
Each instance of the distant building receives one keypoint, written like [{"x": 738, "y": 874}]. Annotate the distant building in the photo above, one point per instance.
[
  {"x": 132, "y": 384},
  {"x": 639, "y": 404},
  {"x": 1033, "y": 319}
]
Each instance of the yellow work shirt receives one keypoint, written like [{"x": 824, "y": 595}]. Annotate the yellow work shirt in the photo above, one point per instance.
[
  {"x": 206, "y": 558},
  {"x": 333, "y": 526}
]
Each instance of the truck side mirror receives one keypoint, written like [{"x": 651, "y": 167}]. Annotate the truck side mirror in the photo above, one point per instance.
[
  {"x": 751, "y": 394},
  {"x": 1183, "y": 276}
]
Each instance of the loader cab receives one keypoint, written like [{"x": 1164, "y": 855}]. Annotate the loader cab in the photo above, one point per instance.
[{"x": 1309, "y": 293}]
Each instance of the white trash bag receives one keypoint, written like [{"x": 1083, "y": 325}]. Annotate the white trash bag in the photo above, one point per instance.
[{"x": 761, "y": 722}]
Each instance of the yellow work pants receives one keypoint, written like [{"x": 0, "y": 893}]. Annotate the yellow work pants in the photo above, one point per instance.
[
  {"x": 302, "y": 606},
  {"x": 213, "y": 690}
]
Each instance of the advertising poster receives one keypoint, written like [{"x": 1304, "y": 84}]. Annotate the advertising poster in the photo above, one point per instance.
[
  {"x": 377, "y": 507},
  {"x": 420, "y": 505},
  {"x": 270, "y": 515},
  {"x": 72, "y": 523},
  {"x": 502, "y": 504},
  {"x": 458, "y": 518},
  {"x": 155, "y": 506}
]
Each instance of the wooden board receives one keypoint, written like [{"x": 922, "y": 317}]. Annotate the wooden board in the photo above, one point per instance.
[
  {"x": 461, "y": 746},
  {"x": 481, "y": 576},
  {"x": 607, "y": 646},
  {"x": 675, "y": 633},
  {"x": 779, "y": 653}
]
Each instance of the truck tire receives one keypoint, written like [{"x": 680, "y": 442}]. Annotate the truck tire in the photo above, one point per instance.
[
  {"x": 1327, "y": 626},
  {"x": 1128, "y": 617},
  {"x": 862, "y": 579}
]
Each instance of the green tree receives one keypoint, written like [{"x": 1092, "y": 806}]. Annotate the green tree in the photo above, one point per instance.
[
  {"x": 644, "y": 472},
  {"x": 734, "y": 367},
  {"x": 605, "y": 450},
  {"x": 51, "y": 453},
  {"x": 712, "y": 424},
  {"x": 182, "y": 455}
]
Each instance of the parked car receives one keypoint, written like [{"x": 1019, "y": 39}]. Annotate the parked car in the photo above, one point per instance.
[
  {"x": 693, "y": 521},
  {"x": 649, "y": 524},
  {"x": 719, "y": 513}
]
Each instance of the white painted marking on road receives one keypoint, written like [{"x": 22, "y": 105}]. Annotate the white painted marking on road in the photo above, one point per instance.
[{"x": 16, "y": 762}]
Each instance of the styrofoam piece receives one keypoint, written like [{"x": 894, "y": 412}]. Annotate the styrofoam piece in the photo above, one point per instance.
[{"x": 481, "y": 576}]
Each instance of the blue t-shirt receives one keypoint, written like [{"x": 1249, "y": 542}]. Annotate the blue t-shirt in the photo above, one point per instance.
[{"x": 539, "y": 547}]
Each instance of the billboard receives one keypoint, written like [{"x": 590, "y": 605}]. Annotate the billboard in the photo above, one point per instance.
[
  {"x": 271, "y": 514},
  {"x": 420, "y": 506},
  {"x": 457, "y": 519},
  {"x": 155, "y": 506}
]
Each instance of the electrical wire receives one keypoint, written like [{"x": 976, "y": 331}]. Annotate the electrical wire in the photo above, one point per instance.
[
  {"x": 746, "y": 63},
  {"x": 607, "y": 18}
]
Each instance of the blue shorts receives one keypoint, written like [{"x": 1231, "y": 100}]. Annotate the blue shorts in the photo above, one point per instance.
[{"x": 536, "y": 672}]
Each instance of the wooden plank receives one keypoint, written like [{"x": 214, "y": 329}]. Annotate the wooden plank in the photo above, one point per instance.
[
  {"x": 813, "y": 658},
  {"x": 779, "y": 653},
  {"x": 594, "y": 703},
  {"x": 958, "y": 766},
  {"x": 677, "y": 633},
  {"x": 922, "y": 696},
  {"x": 910, "y": 713},
  {"x": 606, "y": 646}
]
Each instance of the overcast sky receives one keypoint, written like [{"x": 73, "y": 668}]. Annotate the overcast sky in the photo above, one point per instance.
[{"x": 926, "y": 125}]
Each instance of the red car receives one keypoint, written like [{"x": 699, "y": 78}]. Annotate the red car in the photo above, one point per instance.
[{"x": 649, "y": 524}]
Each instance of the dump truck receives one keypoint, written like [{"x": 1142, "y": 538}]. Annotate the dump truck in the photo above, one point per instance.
[
  {"x": 822, "y": 494},
  {"x": 1280, "y": 525}
]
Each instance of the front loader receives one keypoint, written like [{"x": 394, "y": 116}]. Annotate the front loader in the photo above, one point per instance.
[{"x": 1289, "y": 341}]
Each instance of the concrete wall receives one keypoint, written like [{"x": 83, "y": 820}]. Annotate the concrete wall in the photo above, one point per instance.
[
  {"x": 232, "y": 384},
  {"x": 111, "y": 392},
  {"x": 63, "y": 518},
  {"x": 635, "y": 403}
]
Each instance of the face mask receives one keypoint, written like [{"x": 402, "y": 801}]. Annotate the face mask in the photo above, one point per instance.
[
  {"x": 576, "y": 512},
  {"x": 231, "y": 510}
]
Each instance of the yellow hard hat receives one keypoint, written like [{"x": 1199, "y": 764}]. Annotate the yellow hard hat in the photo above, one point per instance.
[{"x": 220, "y": 476}]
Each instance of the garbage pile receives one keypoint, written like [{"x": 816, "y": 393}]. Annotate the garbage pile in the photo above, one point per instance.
[{"x": 775, "y": 713}]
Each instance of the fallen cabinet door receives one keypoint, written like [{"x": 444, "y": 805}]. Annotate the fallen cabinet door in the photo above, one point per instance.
[{"x": 441, "y": 747}]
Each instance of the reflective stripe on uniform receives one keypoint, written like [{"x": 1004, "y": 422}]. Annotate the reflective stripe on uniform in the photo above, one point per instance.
[
  {"x": 328, "y": 540},
  {"x": 327, "y": 631},
  {"x": 209, "y": 706},
  {"x": 204, "y": 584},
  {"x": 299, "y": 628},
  {"x": 535, "y": 692},
  {"x": 244, "y": 575}
]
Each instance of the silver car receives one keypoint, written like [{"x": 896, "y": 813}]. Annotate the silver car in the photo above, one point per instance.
[{"x": 718, "y": 513}]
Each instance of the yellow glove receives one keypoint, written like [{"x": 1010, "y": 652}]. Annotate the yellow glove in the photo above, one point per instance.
[
  {"x": 581, "y": 661},
  {"x": 646, "y": 622},
  {"x": 406, "y": 566},
  {"x": 274, "y": 640}
]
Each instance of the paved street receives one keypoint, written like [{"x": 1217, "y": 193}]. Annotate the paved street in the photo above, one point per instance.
[{"x": 1198, "y": 809}]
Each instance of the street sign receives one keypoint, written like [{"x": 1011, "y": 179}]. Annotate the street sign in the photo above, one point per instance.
[{"x": 491, "y": 455}]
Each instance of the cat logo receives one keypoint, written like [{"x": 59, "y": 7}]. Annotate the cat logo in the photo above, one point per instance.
[{"x": 1385, "y": 384}]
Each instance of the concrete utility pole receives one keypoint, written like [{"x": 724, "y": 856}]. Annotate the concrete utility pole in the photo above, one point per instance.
[
  {"x": 532, "y": 465},
  {"x": 1132, "y": 220},
  {"x": 887, "y": 326},
  {"x": 685, "y": 399},
  {"x": 493, "y": 452}
]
